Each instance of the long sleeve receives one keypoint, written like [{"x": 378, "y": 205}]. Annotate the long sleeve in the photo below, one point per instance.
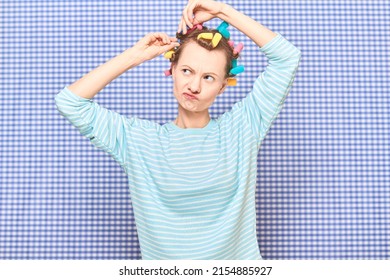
[
  {"x": 263, "y": 104},
  {"x": 105, "y": 129}
]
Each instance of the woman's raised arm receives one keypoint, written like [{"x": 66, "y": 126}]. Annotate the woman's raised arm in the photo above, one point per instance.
[
  {"x": 199, "y": 11},
  {"x": 259, "y": 34},
  {"x": 150, "y": 46}
]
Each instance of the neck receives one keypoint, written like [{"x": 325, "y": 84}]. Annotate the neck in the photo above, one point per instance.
[{"x": 199, "y": 122}]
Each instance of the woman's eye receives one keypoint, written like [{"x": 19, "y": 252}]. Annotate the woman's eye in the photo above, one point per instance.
[{"x": 184, "y": 71}]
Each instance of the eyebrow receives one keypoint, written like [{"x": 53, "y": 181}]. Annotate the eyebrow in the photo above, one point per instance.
[{"x": 205, "y": 73}]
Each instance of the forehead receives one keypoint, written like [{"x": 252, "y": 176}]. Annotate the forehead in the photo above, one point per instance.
[{"x": 197, "y": 56}]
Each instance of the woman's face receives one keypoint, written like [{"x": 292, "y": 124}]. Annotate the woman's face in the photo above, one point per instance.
[{"x": 199, "y": 72}]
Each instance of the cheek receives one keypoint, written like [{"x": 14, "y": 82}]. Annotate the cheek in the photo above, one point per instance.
[
  {"x": 176, "y": 87},
  {"x": 179, "y": 85}
]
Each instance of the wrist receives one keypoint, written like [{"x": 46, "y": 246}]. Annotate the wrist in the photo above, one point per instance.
[
  {"x": 132, "y": 57},
  {"x": 223, "y": 11}
]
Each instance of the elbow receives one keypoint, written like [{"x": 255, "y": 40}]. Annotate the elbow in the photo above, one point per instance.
[
  {"x": 64, "y": 103},
  {"x": 68, "y": 102},
  {"x": 60, "y": 103},
  {"x": 296, "y": 54},
  {"x": 292, "y": 57},
  {"x": 295, "y": 58},
  {"x": 57, "y": 102}
]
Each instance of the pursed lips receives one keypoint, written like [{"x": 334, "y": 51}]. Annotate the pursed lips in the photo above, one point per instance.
[{"x": 193, "y": 96}]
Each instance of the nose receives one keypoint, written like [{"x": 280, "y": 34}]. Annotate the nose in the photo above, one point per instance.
[{"x": 194, "y": 85}]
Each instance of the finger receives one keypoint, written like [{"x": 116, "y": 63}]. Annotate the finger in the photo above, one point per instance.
[
  {"x": 195, "y": 21},
  {"x": 183, "y": 26},
  {"x": 185, "y": 17},
  {"x": 180, "y": 29},
  {"x": 161, "y": 36},
  {"x": 166, "y": 39},
  {"x": 190, "y": 11},
  {"x": 154, "y": 38},
  {"x": 174, "y": 44},
  {"x": 170, "y": 46},
  {"x": 166, "y": 49},
  {"x": 170, "y": 40}
]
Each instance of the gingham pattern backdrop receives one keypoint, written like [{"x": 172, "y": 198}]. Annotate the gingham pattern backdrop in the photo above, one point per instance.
[{"x": 323, "y": 189}]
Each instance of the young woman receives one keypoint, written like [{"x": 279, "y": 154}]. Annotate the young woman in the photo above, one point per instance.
[{"x": 192, "y": 181}]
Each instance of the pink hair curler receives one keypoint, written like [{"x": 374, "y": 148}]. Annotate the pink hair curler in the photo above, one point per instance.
[{"x": 238, "y": 48}]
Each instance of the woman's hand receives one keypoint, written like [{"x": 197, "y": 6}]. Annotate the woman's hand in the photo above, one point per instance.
[
  {"x": 154, "y": 44},
  {"x": 203, "y": 10}
]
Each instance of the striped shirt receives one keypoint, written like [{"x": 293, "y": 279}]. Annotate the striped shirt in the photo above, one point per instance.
[{"x": 193, "y": 190}]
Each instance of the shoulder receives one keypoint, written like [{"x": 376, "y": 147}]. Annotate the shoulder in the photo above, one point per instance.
[
  {"x": 233, "y": 115},
  {"x": 136, "y": 125}
]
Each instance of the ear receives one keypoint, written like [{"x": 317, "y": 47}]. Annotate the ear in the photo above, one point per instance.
[
  {"x": 173, "y": 69},
  {"x": 173, "y": 66},
  {"x": 223, "y": 87}
]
